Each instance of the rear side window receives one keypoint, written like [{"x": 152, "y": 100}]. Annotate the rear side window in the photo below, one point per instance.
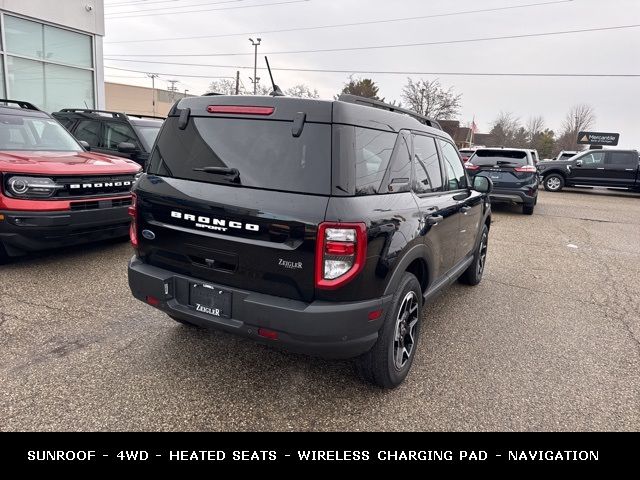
[
  {"x": 455, "y": 170},
  {"x": 398, "y": 175},
  {"x": 593, "y": 159},
  {"x": 484, "y": 158},
  {"x": 373, "y": 150},
  {"x": 626, "y": 159},
  {"x": 116, "y": 133},
  {"x": 89, "y": 131},
  {"x": 428, "y": 177},
  {"x": 264, "y": 152}
]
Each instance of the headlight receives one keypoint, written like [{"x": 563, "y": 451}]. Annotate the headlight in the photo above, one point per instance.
[{"x": 31, "y": 187}]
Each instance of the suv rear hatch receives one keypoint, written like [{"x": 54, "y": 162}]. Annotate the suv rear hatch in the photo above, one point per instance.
[
  {"x": 506, "y": 168},
  {"x": 235, "y": 190}
]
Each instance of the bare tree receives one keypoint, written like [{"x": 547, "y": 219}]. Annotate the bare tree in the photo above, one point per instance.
[
  {"x": 580, "y": 117},
  {"x": 431, "y": 99},
  {"x": 302, "y": 91},
  {"x": 535, "y": 126},
  {"x": 225, "y": 86},
  {"x": 505, "y": 129}
]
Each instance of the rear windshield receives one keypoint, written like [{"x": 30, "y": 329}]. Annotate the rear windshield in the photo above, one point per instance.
[
  {"x": 264, "y": 153},
  {"x": 499, "y": 157}
]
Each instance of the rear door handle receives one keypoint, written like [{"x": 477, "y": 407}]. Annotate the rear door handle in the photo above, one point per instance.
[{"x": 434, "y": 219}]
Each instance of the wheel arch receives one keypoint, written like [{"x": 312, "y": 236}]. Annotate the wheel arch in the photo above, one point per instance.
[{"x": 416, "y": 261}]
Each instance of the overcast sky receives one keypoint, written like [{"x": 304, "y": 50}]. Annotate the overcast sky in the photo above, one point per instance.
[{"x": 616, "y": 100}]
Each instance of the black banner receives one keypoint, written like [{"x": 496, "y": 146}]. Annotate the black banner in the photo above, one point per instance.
[{"x": 519, "y": 452}]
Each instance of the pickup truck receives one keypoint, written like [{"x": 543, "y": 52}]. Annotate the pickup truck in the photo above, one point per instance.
[{"x": 594, "y": 168}]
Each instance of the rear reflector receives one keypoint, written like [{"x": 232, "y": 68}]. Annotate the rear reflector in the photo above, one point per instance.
[
  {"x": 133, "y": 227},
  {"x": 376, "y": 314},
  {"x": 470, "y": 166},
  {"x": 153, "y": 301},
  {"x": 239, "y": 109},
  {"x": 268, "y": 334}
]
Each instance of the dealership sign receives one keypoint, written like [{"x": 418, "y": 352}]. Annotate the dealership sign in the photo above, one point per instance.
[{"x": 598, "y": 138}]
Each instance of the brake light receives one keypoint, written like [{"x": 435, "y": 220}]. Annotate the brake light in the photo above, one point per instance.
[
  {"x": 133, "y": 227},
  {"x": 470, "y": 166},
  {"x": 526, "y": 169},
  {"x": 341, "y": 250},
  {"x": 240, "y": 109}
]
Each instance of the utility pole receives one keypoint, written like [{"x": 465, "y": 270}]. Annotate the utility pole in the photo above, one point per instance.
[
  {"x": 255, "y": 78},
  {"x": 153, "y": 77},
  {"x": 173, "y": 89},
  {"x": 185, "y": 92},
  {"x": 238, "y": 82}
]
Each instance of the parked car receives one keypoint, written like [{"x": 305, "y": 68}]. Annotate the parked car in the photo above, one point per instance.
[
  {"x": 534, "y": 156},
  {"x": 566, "y": 154},
  {"x": 513, "y": 173},
  {"x": 53, "y": 192},
  {"x": 318, "y": 226},
  {"x": 466, "y": 153},
  {"x": 113, "y": 133},
  {"x": 600, "y": 168}
]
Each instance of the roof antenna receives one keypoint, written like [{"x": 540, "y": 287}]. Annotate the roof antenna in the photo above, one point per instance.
[{"x": 276, "y": 89}]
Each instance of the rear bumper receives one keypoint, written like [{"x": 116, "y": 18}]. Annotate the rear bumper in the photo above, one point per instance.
[
  {"x": 524, "y": 196},
  {"x": 331, "y": 330},
  {"x": 29, "y": 231}
]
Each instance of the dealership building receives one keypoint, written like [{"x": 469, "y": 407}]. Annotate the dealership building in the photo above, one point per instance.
[{"x": 51, "y": 52}]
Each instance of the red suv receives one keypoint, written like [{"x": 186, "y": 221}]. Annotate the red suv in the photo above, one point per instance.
[{"x": 53, "y": 192}]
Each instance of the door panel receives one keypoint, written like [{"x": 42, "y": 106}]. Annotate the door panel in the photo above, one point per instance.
[
  {"x": 591, "y": 171},
  {"x": 621, "y": 168}
]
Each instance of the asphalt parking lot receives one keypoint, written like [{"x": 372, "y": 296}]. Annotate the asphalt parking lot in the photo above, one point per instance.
[{"x": 550, "y": 340}]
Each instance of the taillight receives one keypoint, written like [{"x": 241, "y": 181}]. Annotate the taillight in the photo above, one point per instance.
[
  {"x": 526, "y": 169},
  {"x": 133, "y": 227},
  {"x": 240, "y": 109},
  {"x": 470, "y": 166},
  {"x": 341, "y": 251}
]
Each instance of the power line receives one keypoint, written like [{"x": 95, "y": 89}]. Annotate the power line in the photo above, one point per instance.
[
  {"x": 164, "y": 74},
  {"x": 384, "y": 72},
  {"x": 342, "y": 25},
  {"x": 378, "y": 47},
  {"x": 156, "y": 9},
  {"x": 206, "y": 10}
]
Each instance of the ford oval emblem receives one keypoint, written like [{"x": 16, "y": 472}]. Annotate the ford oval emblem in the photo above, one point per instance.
[{"x": 148, "y": 234}]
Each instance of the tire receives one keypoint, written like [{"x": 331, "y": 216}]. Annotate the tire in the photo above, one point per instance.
[
  {"x": 553, "y": 182},
  {"x": 389, "y": 361},
  {"x": 528, "y": 209},
  {"x": 473, "y": 274},
  {"x": 184, "y": 322}
]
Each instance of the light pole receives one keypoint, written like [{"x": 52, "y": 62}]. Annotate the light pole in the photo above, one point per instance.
[
  {"x": 153, "y": 77},
  {"x": 255, "y": 80}
]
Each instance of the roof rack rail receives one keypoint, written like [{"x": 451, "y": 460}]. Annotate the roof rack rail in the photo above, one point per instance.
[
  {"x": 370, "y": 102},
  {"x": 91, "y": 110},
  {"x": 21, "y": 104},
  {"x": 141, "y": 115}
]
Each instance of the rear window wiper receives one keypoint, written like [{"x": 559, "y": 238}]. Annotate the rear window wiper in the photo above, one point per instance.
[{"x": 231, "y": 172}]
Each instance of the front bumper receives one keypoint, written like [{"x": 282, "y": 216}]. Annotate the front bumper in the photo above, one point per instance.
[
  {"x": 29, "y": 231},
  {"x": 326, "y": 329}
]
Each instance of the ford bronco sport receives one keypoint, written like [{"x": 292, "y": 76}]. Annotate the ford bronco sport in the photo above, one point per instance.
[
  {"x": 318, "y": 226},
  {"x": 52, "y": 192}
]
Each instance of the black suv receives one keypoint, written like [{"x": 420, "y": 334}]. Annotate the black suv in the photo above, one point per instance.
[
  {"x": 319, "y": 226},
  {"x": 113, "y": 133},
  {"x": 513, "y": 173},
  {"x": 614, "y": 168}
]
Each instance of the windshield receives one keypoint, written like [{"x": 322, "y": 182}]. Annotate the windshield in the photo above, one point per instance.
[
  {"x": 499, "y": 157},
  {"x": 566, "y": 156},
  {"x": 148, "y": 135},
  {"x": 35, "y": 134},
  {"x": 264, "y": 153}
]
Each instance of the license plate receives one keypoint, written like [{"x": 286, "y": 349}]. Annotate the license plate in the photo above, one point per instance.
[{"x": 210, "y": 300}]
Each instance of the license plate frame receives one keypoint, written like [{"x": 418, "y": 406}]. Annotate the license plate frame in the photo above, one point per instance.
[{"x": 211, "y": 300}]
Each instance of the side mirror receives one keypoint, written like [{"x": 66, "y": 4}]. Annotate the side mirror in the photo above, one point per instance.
[
  {"x": 126, "y": 147},
  {"x": 85, "y": 145},
  {"x": 579, "y": 162},
  {"x": 482, "y": 184}
]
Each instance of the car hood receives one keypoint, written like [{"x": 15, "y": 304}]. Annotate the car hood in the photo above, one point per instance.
[{"x": 64, "y": 163}]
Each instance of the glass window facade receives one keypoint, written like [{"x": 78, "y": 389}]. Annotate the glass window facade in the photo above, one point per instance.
[{"x": 48, "y": 66}]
